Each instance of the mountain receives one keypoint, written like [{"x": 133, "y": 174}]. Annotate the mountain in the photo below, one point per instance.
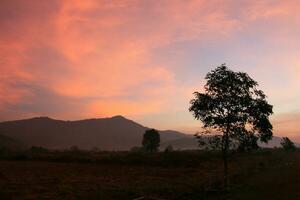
[
  {"x": 275, "y": 142},
  {"x": 116, "y": 133},
  {"x": 10, "y": 143}
]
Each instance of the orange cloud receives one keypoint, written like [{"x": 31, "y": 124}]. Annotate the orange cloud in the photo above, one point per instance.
[
  {"x": 124, "y": 107},
  {"x": 139, "y": 58}
]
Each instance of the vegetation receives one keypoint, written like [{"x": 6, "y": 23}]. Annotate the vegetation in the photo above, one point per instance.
[
  {"x": 287, "y": 144},
  {"x": 209, "y": 142},
  {"x": 176, "y": 175},
  {"x": 169, "y": 148},
  {"x": 38, "y": 149},
  {"x": 137, "y": 149},
  {"x": 151, "y": 140},
  {"x": 233, "y": 108}
]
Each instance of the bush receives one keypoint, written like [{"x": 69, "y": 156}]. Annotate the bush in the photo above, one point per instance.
[
  {"x": 169, "y": 148},
  {"x": 137, "y": 149},
  {"x": 287, "y": 144},
  {"x": 38, "y": 149}
]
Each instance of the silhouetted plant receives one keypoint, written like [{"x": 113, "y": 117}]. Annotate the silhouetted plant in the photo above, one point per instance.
[
  {"x": 207, "y": 141},
  {"x": 287, "y": 144},
  {"x": 74, "y": 149},
  {"x": 136, "y": 149},
  {"x": 151, "y": 140},
  {"x": 96, "y": 150},
  {"x": 38, "y": 149},
  {"x": 169, "y": 148},
  {"x": 247, "y": 142},
  {"x": 233, "y": 107}
]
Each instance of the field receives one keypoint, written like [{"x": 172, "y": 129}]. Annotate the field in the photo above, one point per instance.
[{"x": 186, "y": 175}]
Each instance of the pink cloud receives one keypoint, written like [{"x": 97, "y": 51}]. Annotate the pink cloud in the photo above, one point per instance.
[{"x": 105, "y": 56}]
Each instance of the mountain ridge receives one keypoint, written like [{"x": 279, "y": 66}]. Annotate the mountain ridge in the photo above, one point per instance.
[
  {"x": 113, "y": 133},
  {"x": 110, "y": 133}
]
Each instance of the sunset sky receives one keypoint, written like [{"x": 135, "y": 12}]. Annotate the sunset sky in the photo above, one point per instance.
[{"x": 143, "y": 59}]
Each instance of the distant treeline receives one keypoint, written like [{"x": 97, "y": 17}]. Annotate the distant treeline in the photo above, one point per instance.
[{"x": 165, "y": 158}]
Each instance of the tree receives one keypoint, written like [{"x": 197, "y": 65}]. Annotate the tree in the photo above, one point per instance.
[
  {"x": 136, "y": 149},
  {"x": 38, "y": 149},
  {"x": 233, "y": 107},
  {"x": 209, "y": 141},
  {"x": 151, "y": 140},
  {"x": 169, "y": 148},
  {"x": 247, "y": 142},
  {"x": 287, "y": 144}
]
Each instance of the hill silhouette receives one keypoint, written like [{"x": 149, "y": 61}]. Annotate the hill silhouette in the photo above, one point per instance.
[
  {"x": 10, "y": 143},
  {"x": 115, "y": 133}
]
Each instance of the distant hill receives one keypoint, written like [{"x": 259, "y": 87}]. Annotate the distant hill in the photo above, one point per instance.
[
  {"x": 275, "y": 142},
  {"x": 115, "y": 133},
  {"x": 10, "y": 143}
]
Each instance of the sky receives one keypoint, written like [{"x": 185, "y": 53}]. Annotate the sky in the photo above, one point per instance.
[{"x": 143, "y": 59}]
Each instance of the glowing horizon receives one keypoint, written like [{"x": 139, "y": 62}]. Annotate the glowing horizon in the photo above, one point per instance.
[{"x": 144, "y": 59}]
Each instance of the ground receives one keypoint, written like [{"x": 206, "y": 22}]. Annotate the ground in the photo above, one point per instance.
[{"x": 170, "y": 176}]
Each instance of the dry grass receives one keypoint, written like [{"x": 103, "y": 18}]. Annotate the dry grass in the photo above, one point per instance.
[{"x": 183, "y": 175}]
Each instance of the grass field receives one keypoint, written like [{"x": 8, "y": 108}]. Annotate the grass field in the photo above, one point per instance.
[{"x": 190, "y": 175}]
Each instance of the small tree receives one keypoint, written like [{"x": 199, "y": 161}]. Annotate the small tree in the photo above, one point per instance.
[
  {"x": 151, "y": 140},
  {"x": 247, "y": 142},
  {"x": 38, "y": 149},
  {"x": 232, "y": 106},
  {"x": 169, "y": 148},
  {"x": 209, "y": 141},
  {"x": 287, "y": 144},
  {"x": 136, "y": 149}
]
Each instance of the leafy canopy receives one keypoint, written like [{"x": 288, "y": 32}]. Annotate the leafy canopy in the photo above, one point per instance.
[
  {"x": 287, "y": 144},
  {"x": 151, "y": 140},
  {"x": 232, "y": 104}
]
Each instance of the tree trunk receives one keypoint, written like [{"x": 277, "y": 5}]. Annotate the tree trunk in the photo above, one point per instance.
[{"x": 225, "y": 160}]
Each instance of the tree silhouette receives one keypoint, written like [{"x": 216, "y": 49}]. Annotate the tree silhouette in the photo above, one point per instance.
[
  {"x": 233, "y": 107},
  {"x": 287, "y": 144},
  {"x": 208, "y": 141},
  {"x": 247, "y": 142},
  {"x": 169, "y": 148},
  {"x": 151, "y": 140}
]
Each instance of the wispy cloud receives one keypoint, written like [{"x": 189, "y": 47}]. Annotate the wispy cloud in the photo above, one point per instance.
[{"x": 142, "y": 59}]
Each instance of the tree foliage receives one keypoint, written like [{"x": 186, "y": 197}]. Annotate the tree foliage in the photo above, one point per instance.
[
  {"x": 151, "y": 140},
  {"x": 287, "y": 144},
  {"x": 232, "y": 106},
  {"x": 169, "y": 148},
  {"x": 210, "y": 142},
  {"x": 247, "y": 142}
]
